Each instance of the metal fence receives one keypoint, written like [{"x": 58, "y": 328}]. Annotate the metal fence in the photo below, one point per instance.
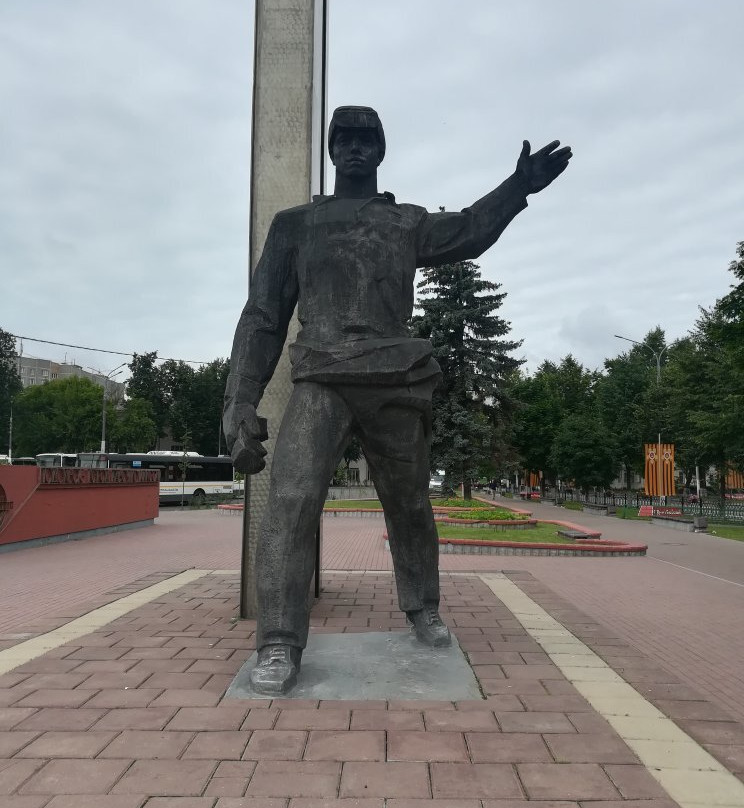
[{"x": 712, "y": 508}]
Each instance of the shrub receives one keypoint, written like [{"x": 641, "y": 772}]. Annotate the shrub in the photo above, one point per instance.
[{"x": 570, "y": 505}]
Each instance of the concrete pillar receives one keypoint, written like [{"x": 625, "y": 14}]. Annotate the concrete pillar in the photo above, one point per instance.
[{"x": 287, "y": 167}]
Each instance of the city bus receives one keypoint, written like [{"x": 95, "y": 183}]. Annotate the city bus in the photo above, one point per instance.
[
  {"x": 48, "y": 460},
  {"x": 24, "y": 461},
  {"x": 204, "y": 476}
]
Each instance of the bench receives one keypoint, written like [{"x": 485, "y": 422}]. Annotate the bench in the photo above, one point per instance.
[
  {"x": 602, "y": 510},
  {"x": 579, "y": 535},
  {"x": 675, "y": 522}
]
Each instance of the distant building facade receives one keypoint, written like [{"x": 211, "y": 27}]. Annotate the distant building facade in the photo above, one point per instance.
[{"x": 40, "y": 371}]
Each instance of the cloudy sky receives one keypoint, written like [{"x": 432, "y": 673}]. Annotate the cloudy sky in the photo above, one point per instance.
[{"x": 125, "y": 150}]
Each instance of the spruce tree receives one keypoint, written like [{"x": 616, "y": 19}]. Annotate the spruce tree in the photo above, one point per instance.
[{"x": 471, "y": 405}]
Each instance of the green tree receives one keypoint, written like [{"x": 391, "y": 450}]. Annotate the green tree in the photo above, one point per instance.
[
  {"x": 537, "y": 420},
  {"x": 718, "y": 413},
  {"x": 704, "y": 385},
  {"x": 205, "y": 393},
  {"x": 731, "y": 306},
  {"x": 10, "y": 386},
  {"x": 177, "y": 380},
  {"x": 146, "y": 383},
  {"x": 544, "y": 400},
  {"x": 60, "y": 416},
  {"x": 631, "y": 403},
  {"x": 352, "y": 453},
  {"x": 134, "y": 429},
  {"x": 457, "y": 314},
  {"x": 182, "y": 399},
  {"x": 686, "y": 385},
  {"x": 722, "y": 334},
  {"x": 583, "y": 451}
]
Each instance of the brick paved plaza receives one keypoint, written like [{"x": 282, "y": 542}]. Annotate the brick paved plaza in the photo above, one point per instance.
[{"x": 117, "y": 651}]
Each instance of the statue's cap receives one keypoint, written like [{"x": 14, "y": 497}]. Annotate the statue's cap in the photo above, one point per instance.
[{"x": 356, "y": 118}]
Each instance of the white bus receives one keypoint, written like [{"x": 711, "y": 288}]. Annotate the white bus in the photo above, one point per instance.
[
  {"x": 204, "y": 476},
  {"x": 49, "y": 460}
]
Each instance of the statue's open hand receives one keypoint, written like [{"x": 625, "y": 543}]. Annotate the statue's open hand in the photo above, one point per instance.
[
  {"x": 542, "y": 167},
  {"x": 244, "y": 432}
]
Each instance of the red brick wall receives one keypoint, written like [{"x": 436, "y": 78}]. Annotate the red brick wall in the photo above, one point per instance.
[{"x": 39, "y": 506}]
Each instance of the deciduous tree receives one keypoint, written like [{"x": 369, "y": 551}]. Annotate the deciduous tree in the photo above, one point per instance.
[
  {"x": 146, "y": 383},
  {"x": 544, "y": 400},
  {"x": 583, "y": 451},
  {"x": 60, "y": 416}
]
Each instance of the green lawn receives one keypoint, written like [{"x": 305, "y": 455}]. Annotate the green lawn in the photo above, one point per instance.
[
  {"x": 353, "y": 504},
  {"x": 571, "y": 505},
  {"x": 631, "y": 513},
  {"x": 542, "y": 532},
  {"x": 735, "y": 532}
]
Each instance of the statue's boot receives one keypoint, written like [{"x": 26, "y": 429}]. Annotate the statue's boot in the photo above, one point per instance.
[
  {"x": 276, "y": 669},
  {"x": 429, "y": 627}
]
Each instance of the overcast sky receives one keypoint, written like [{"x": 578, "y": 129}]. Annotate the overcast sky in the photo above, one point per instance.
[{"x": 125, "y": 151}]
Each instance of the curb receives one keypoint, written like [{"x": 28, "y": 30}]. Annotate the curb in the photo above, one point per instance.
[{"x": 475, "y": 547}]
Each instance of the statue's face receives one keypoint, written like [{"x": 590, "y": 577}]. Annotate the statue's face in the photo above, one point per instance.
[{"x": 356, "y": 152}]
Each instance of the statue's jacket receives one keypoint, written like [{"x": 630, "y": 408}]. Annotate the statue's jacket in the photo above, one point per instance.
[{"x": 348, "y": 266}]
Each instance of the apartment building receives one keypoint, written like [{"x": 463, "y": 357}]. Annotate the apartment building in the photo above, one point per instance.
[{"x": 35, "y": 371}]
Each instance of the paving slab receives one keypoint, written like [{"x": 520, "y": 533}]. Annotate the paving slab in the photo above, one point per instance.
[
  {"x": 148, "y": 689},
  {"x": 375, "y": 665}
]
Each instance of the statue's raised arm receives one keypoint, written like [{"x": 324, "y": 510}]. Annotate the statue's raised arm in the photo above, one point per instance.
[{"x": 444, "y": 238}]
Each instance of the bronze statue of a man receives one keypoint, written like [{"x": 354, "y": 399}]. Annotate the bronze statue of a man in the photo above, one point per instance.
[{"x": 347, "y": 262}]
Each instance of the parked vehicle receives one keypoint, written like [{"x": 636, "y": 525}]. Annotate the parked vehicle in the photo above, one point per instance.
[
  {"x": 183, "y": 475},
  {"x": 436, "y": 484}
]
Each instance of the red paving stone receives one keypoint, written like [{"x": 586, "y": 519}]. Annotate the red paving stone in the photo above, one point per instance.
[
  {"x": 75, "y": 777},
  {"x": 474, "y": 780},
  {"x": 343, "y": 746},
  {"x": 385, "y": 780},
  {"x": 135, "y": 711},
  {"x": 166, "y": 777},
  {"x": 290, "y": 778}
]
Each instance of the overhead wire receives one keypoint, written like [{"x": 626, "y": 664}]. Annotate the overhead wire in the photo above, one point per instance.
[{"x": 104, "y": 350}]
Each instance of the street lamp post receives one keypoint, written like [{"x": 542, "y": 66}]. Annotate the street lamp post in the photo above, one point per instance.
[
  {"x": 657, "y": 354},
  {"x": 106, "y": 377}
]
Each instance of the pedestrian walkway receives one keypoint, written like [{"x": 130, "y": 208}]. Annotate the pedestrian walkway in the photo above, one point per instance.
[{"x": 120, "y": 702}]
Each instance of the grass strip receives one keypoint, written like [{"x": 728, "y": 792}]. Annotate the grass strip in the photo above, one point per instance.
[
  {"x": 735, "y": 532},
  {"x": 353, "y": 504},
  {"x": 543, "y": 532}
]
